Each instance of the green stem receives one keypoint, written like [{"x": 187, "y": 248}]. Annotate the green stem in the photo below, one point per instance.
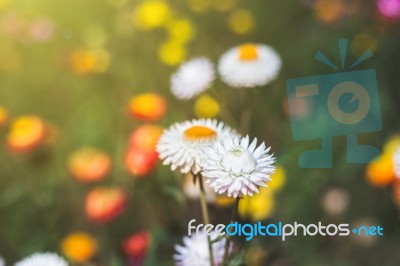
[
  {"x": 206, "y": 219},
  {"x": 228, "y": 240}
]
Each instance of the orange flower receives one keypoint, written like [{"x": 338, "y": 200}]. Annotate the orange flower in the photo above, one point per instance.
[
  {"x": 145, "y": 138},
  {"x": 27, "y": 132},
  {"x": 329, "y": 11},
  {"x": 104, "y": 204},
  {"x": 137, "y": 244},
  {"x": 88, "y": 164},
  {"x": 148, "y": 106},
  {"x": 139, "y": 162},
  {"x": 79, "y": 247},
  {"x": 380, "y": 173}
]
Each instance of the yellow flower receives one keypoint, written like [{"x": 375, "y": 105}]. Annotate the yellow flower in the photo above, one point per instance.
[
  {"x": 259, "y": 206},
  {"x": 241, "y": 21},
  {"x": 181, "y": 30},
  {"x": 206, "y": 107},
  {"x": 79, "y": 247},
  {"x": 278, "y": 179},
  {"x": 224, "y": 201},
  {"x": 392, "y": 145},
  {"x": 172, "y": 53},
  {"x": 27, "y": 132},
  {"x": 151, "y": 14}
]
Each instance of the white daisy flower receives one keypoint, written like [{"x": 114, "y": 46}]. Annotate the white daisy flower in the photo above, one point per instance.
[
  {"x": 195, "y": 251},
  {"x": 182, "y": 145},
  {"x": 2, "y": 262},
  {"x": 192, "y": 78},
  {"x": 396, "y": 162},
  {"x": 42, "y": 259},
  {"x": 249, "y": 65},
  {"x": 237, "y": 167}
]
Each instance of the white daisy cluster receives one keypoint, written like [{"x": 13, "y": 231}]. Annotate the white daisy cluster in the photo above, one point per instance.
[
  {"x": 183, "y": 145},
  {"x": 42, "y": 259},
  {"x": 231, "y": 165},
  {"x": 238, "y": 167},
  {"x": 194, "y": 251},
  {"x": 245, "y": 66}
]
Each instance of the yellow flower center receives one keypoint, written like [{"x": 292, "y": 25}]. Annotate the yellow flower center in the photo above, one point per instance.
[
  {"x": 248, "y": 52},
  {"x": 199, "y": 133}
]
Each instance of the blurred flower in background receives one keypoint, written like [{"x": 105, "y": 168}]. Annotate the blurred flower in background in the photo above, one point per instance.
[
  {"x": 335, "y": 201},
  {"x": 2, "y": 262},
  {"x": 381, "y": 171},
  {"x": 86, "y": 61},
  {"x": 194, "y": 251},
  {"x": 137, "y": 245},
  {"x": 79, "y": 247},
  {"x": 241, "y": 21},
  {"x": 206, "y": 107},
  {"x": 172, "y": 52},
  {"x": 147, "y": 106},
  {"x": 261, "y": 205},
  {"x": 89, "y": 164},
  {"x": 151, "y": 14},
  {"x": 181, "y": 30},
  {"x": 363, "y": 41},
  {"x": 278, "y": 179},
  {"x": 145, "y": 137},
  {"x": 42, "y": 259},
  {"x": 41, "y": 30},
  {"x": 257, "y": 207},
  {"x": 26, "y": 133},
  {"x": 192, "y": 78},
  {"x": 104, "y": 204},
  {"x": 140, "y": 162},
  {"x": 329, "y": 11},
  {"x": 249, "y": 65},
  {"x": 389, "y": 8}
]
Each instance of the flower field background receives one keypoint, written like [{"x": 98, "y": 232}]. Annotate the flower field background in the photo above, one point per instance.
[{"x": 85, "y": 94}]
